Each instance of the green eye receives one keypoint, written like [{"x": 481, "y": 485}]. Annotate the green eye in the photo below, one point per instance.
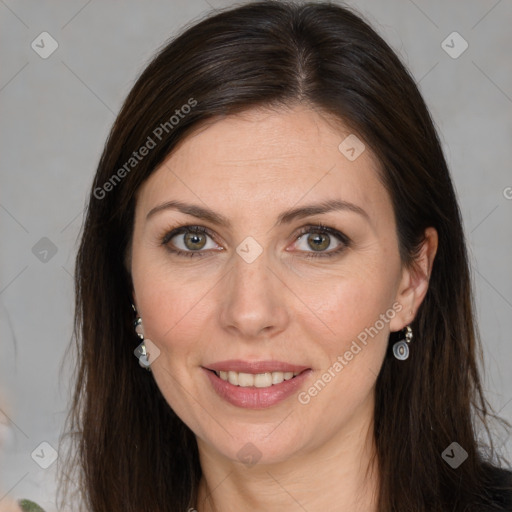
[
  {"x": 195, "y": 240},
  {"x": 194, "y": 235},
  {"x": 321, "y": 237}
]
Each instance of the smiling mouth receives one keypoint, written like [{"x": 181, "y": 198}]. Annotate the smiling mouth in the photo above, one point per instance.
[{"x": 258, "y": 380}]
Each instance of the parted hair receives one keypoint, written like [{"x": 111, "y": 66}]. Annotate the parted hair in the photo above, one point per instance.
[{"x": 128, "y": 451}]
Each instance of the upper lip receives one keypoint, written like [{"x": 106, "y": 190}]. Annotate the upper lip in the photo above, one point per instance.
[{"x": 237, "y": 365}]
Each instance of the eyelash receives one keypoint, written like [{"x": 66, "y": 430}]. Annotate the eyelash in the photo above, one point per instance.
[{"x": 317, "y": 228}]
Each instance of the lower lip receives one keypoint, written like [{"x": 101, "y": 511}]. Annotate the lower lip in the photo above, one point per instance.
[{"x": 252, "y": 397}]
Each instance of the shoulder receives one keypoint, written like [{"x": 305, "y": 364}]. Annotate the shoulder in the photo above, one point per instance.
[{"x": 9, "y": 505}]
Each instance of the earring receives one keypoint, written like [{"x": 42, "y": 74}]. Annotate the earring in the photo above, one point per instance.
[
  {"x": 140, "y": 352},
  {"x": 401, "y": 348}
]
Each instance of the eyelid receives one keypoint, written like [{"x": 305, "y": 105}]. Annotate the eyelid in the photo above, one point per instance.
[
  {"x": 322, "y": 228},
  {"x": 309, "y": 228},
  {"x": 172, "y": 232},
  {"x": 319, "y": 227}
]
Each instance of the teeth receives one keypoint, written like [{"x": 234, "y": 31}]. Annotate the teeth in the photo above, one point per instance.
[
  {"x": 232, "y": 378},
  {"x": 245, "y": 380},
  {"x": 259, "y": 380},
  {"x": 263, "y": 380},
  {"x": 277, "y": 377}
]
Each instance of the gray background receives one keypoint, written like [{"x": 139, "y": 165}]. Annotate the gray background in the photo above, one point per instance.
[{"x": 55, "y": 114}]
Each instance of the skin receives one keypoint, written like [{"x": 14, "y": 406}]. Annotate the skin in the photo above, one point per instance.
[{"x": 283, "y": 305}]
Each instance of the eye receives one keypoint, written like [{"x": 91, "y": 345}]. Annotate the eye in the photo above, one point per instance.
[
  {"x": 190, "y": 240},
  {"x": 319, "y": 239}
]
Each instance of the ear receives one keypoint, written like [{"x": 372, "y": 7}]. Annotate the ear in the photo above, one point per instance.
[{"x": 414, "y": 281}]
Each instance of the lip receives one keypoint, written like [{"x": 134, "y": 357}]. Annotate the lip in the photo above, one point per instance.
[
  {"x": 238, "y": 365},
  {"x": 253, "y": 397}
]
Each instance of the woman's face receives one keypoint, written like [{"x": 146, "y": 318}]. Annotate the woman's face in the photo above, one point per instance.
[{"x": 263, "y": 293}]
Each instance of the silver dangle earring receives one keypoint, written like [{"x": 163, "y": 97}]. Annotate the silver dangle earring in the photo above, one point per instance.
[
  {"x": 401, "y": 348},
  {"x": 140, "y": 352}
]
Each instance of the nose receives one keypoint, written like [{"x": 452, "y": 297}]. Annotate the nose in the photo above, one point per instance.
[{"x": 254, "y": 299}]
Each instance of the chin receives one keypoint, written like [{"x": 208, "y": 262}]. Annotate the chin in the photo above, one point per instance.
[{"x": 251, "y": 446}]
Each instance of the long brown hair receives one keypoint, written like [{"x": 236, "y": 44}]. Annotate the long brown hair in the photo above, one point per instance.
[{"x": 129, "y": 450}]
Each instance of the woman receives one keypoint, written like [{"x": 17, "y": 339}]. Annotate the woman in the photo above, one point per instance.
[{"x": 273, "y": 233}]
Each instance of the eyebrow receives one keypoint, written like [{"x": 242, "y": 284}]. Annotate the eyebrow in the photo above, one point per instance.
[{"x": 284, "y": 218}]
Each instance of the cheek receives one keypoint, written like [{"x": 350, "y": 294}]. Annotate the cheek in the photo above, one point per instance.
[
  {"x": 356, "y": 310},
  {"x": 173, "y": 303},
  {"x": 357, "y": 305},
  {"x": 352, "y": 299},
  {"x": 333, "y": 305}
]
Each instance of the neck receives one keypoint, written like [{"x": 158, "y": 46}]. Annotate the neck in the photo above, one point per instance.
[{"x": 340, "y": 475}]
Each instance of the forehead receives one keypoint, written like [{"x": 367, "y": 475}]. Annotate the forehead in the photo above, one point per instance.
[{"x": 262, "y": 158}]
